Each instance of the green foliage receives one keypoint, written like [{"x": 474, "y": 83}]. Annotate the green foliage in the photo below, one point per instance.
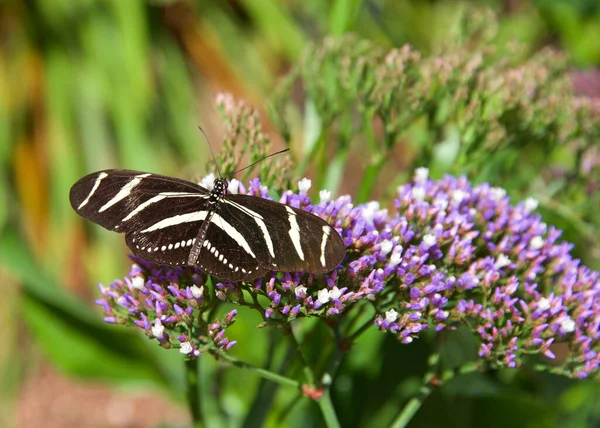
[
  {"x": 87, "y": 85},
  {"x": 465, "y": 110}
]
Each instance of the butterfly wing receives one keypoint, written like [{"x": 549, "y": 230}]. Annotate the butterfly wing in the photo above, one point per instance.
[
  {"x": 237, "y": 237},
  {"x": 286, "y": 238},
  {"x": 160, "y": 215}
]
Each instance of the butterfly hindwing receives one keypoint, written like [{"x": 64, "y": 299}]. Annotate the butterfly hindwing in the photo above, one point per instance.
[
  {"x": 231, "y": 248},
  {"x": 287, "y": 238}
]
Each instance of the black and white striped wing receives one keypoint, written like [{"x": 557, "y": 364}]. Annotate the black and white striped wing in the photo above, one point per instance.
[
  {"x": 161, "y": 215},
  {"x": 234, "y": 237},
  {"x": 283, "y": 238}
]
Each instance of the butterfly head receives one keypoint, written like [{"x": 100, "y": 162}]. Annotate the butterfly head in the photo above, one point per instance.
[{"x": 219, "y": 190}]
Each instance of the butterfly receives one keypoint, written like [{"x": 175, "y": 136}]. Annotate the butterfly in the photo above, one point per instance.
[{"x": 233, "y": 237}]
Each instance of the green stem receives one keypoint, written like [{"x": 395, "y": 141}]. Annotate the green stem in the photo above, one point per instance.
[
  {"x": 370, "y": 177},
  {"x": 328, "y": 411},
  {"x": 193, "y": 397},
  {"x": 324, "y": 401},
  {"x": 360, "y": 330},
  {"x": 415, "y": 403},
  {"x": 266, "y": 374}
]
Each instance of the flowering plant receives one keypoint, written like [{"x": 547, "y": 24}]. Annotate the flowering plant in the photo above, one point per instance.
[
  {"x": 447, "y": 254},
  {"x": 438, "y": 255}
]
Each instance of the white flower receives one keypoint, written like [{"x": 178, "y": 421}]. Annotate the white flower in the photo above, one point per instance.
[
  {"x": 536, "y": 242},
  {"x": 138, "y": 282},
  {"x": 459, "y": 195},
  {"x": 502, "y": 261},
  {"x": 418, "y": 194},
  {"x": 395, "y": 259},
  {"x": 386, "y": 246},
  {"x": 325, "y": 196},
  {"x": 544, "y": 304},
  {"x": 197, "y": 291},
  {"x": 158, "y": 329},
  {"x": 391, "y": 316},
  {"x": 421, "y": 175},
  {"x": 208, "y": 181},
  {"x": 335, "y": 293},
  {"x": 497, "y": 193},
  {"x": 304, "y": 185},
  {"x": 300, "y": 291},
  {"x": 370, "y": 209},
  {"x": 567, "y": 324},
  {"x": 323, "y": 296},
  {"x": 530, "y": 205},
  {"x": 186, "y": 348},
  {"x": 440, "y": 203},
  {"x": 429, "y": 240},
  {"x": 234, "y": 187}
]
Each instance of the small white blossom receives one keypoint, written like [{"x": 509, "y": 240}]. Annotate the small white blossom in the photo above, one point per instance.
[
  {"x": 186, "y": 348},
  {"x": 386, "y": 246},
  {"x": 536, "y": 243},
  {"x": 567, "y": 325},
  {"x": 429, "y": 240},
  {"x": 158, "y": 329},
  {"x": 421, "y": 175},
  {"x": 440, "y": 203},
  {"x": 304, "y": 185},
  {"x": 138, "y": 282},
  {"x": 300, "y": 291},
  {"x": 370, "y": 209},
  {"x": 544, "y": 304},
  {"x": 208, "y": 181},
  {"x": 459, "y": 195},
  {"x": 234, "y": 187},
  {"x": 395, "y": 259},
  {"x": 391, "y": 316},
  {"x": 325, "y": 196},
  {"x": 502, "y": 261},
  {"x": 197, "y": 291},
  {"x": 497, "y": 193},
  {"x": 418, "y": 194},
  {"x": 323, "y": 296},
  {"x": 335, "y": 293},
  {"x": 530, "y": 205}
]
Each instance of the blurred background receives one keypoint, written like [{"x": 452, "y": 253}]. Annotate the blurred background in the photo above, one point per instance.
[{"x": 93, "y": 84}]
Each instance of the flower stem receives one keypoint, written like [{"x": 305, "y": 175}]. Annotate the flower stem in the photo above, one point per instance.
[
  {"x": 328, "y": 411},
  {"x": 193, "y": 397},
  {"x": 324, "y": 402},
  {"x": 415, "y": 403},
  {"x": 266, "y": 374}
]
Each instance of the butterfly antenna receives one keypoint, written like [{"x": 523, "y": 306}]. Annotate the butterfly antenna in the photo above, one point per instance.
[
  {"x": 211, "y": 151},
  {"x": 260, "y": 160}
]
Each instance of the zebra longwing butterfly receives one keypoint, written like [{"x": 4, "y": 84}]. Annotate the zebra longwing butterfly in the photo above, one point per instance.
[{"x": 233, "y": 237}]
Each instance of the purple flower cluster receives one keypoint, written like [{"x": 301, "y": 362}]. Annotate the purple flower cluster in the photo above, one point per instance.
[
  {"x": 497, "y": 268},
  {"x": 447, "y": 254},
  {"x": 169, "y": 303}
]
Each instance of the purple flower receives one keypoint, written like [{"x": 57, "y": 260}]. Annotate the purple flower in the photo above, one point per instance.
[{"x": 447, "y": 254}]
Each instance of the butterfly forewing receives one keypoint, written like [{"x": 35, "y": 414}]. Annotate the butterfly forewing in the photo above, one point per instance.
[
  {"x": 234, "y": 237},
  {"x": 124, "y": 200}
]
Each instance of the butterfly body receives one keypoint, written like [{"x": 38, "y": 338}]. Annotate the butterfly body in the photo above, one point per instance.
[{"x": 234, "y": 237}]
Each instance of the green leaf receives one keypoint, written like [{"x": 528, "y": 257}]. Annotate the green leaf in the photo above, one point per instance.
[
  {"x": 75, "y": 340},
  {"x": 343, "y": 15}
]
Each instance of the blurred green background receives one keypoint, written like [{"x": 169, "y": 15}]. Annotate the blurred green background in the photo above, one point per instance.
[{"x": 93, "y": 84}]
